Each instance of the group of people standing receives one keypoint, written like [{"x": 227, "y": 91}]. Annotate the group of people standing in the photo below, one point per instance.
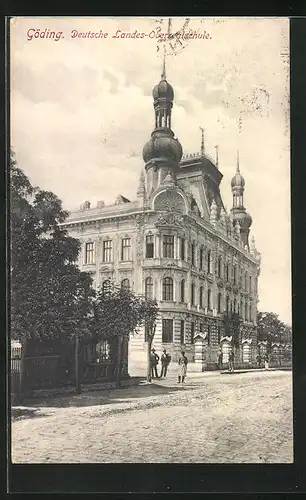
[
  {"x": 231, "y": 358},
  {"x": 165, "y": 361}
]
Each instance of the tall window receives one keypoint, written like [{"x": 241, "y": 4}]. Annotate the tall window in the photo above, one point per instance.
[
  {"x": 192, "y": 248},
  {"x": 201, "y": 259},
  {"x": 241, "y": 308},
  {"x": 219, "y": 302},
  {"x": 167, "y": 331},
  {"x": 182, "y": 291},
  {"x": 209, "y": 299},
  {"x": 209, "y": 261},
  {"x": 201, "y": 296},
  {"x": 168, "y": 246},
  {"x": 250, "y": 312},
  {"x": 149, "y": 288},
  {"x": 219, "y": 267},
  {"x": 107, "y": 251},
  {"x": 208, "y": 334},
  {"x": 125, "y": 284},
  {"x": 182, "y": 248},
  {"x": 246, "y": 311},
  {"x": 234, "y": 305},
  {"x": 227, "y": 271},
  {"x": 150, "y": 246},
  {"x": 89, "y": 253},
  {"x": 250, "y": 284},
  {"x": 192, "y": 329},
  {"x": 167, "y": 289},
  {"x": 235, "y": 274},
  {"x": 201, "y": 327},
  {"x": 219, "y": 334},
  {"x": 192, "y": 289},
  {"x": 106, "y": 287},
  {"x": 182, "y": 332},
  {"x": 227, "y": 304},
  {"x": 126, "y": 249},
  {"x": 245, "y": 281}
]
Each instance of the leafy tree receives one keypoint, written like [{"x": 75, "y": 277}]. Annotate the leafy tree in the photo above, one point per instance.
[
  {"x": 118, "y": 311},
  {"x": 50, "y": 297},
  {"x": 272, "y": 329}
]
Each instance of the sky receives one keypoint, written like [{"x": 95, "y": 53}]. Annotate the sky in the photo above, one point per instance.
[{"x": 82, "y": 110}]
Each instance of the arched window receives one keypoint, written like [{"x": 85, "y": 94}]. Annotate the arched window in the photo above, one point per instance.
[
  {"x": 106, "y": 287},
  {"x": 125, "y": 283},
  {"x": 149, "y": 288},
  {"x": 167, "y": 289},
  {"x": 182, "y": 291},
  {"x": 192, "y": 289},
  {"x": 227, "y": 304},
  {"x": 201, "y": 296},
  {"x": 209, "y": 299},
  {"x": 209, "y": 261},
  {"x": 219, "y": 302},
  {"x": 220, "y": 267}
]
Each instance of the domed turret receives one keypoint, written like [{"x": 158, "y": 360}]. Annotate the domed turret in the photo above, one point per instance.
[
  {"x": 238, "y": 212},
  {"x": 163, "y": 90},
  {"x": 237, "y": 181},
  {"x": 162, "y": 146}
]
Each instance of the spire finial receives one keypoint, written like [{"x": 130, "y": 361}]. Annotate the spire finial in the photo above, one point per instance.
[
  {"x": 217, "y": 155},
  {"x": 163, "y": 75},
  {"x": 238, "y": 169},
  {"x": 202, "y": 142}
]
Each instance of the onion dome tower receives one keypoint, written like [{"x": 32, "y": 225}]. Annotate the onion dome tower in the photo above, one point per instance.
[
  {"x": 163, "y": 152},
  {"x": 238, "y": 212}
]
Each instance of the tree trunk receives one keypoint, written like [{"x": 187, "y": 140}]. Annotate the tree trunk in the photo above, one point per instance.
[
  {"x": 77, "y": 366},
  {"x": 119, "y": 359},
  {"x": 149, "y": 344}
]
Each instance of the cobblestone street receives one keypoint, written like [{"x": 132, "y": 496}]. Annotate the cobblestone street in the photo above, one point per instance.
[{"x": 213, "y": 418}]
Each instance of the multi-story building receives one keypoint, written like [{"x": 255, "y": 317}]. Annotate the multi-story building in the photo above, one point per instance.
[{"x": 175, "y": 242}]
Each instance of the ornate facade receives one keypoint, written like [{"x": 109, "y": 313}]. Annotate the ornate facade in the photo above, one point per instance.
[{"x": 175, "y": 242}]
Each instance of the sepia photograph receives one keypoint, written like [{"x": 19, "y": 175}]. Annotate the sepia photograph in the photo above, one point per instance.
[{"x": 150, "y": 240}]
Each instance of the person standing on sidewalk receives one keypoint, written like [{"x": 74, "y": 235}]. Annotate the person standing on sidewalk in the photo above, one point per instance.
[
  {"x": 231, "y": 361},
  {"x": 266, "y": 360},
  {"x": 220, "y": 360},
  {"x": 165, "y": 360},
  {"x": 154, "y": 359},
  {"x": 182, "y": 367}
]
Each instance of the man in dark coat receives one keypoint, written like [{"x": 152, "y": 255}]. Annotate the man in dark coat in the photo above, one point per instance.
[
  {"x": 154, "y": 359},
  {"x": 165, "y": 360}
]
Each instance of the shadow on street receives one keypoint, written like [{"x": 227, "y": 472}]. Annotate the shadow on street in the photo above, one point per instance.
[{"x": 96, "y": 398}]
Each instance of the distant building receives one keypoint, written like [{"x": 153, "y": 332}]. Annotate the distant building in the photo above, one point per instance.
[{"x": 175, "y": 242}]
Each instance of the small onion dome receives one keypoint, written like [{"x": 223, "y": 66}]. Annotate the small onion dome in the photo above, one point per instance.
[
  {"x": 162, "y": 146},
  {"x": 244, "y": 219},
  {"x": 237, "y": 181},
  {"x": 163, "y": 90}
]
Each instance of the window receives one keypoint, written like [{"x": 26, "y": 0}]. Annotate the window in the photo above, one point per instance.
[
  {"x": 167, "y": 331},
  {"x": 241, "y": 308},
  {"x": 219, "y": 334},
  {"x": 125, "y": 283},
  {"x": 182, "y": 248},
  {"x": 107, "y": 251},
  {"x": 246, "y": 311},
  {"x": 219, "y": 267},
  {"x": 126, "y": 249},
  {"x": 192, "y": 329},
  {"x": 201, "y": 327},
  {"x": 106, "y": 286},
  {"x": 192, "y": 294},
  {"x": 245, "y": 281},
  {"x": 168, "y": 246},
  {"x": 89, "y": 253},
  {"x": 250, "y": 312},
  {"x": 234, "y": 305},
  {"x": 208, "y": 334},
  {"x": 219, "y": 302},
  {"x": 149, "y": 288},
  {"x": 182, "y": 291},
  {"x": 209, "y": 299},
  {"x": 227, "y": 271},
  {"x": 182, "y": 332},
  {"x": 192, "y": 249},
  {"x": 227, "y": 304},
  {"x": 102, "y": 351},
  {"x": 250, "y": 284},
  {"x": 168, "y": 289},
  {"x": 201, "y": 259},
  {"x": 150, "y": 246},
  {"x": 234, "y": 274},
  {"x": 201, "y": 296},
  {"x": 209, "y": 261}
]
